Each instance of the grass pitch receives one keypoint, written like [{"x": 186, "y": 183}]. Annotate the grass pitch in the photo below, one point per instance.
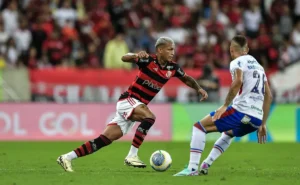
[{"x": 34, "y": 163}]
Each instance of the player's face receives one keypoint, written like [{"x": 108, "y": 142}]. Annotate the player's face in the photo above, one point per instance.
[{"x": 167, "y": 52}]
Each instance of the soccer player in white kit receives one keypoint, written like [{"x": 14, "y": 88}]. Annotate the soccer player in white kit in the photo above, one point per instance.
[{"x": 249, "y": 111}]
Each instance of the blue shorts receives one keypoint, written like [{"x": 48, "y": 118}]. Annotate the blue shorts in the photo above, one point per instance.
[{"x": 240, "y": 123}]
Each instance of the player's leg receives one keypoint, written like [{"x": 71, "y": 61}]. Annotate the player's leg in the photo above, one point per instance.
[
  {"x": 206, "y": 125},
  {"x": 219, "y": 148},
  {"x": 110, "y": 134},
  {"x": 240, "y": 124},
  {"x": 197, "y": 145},
  {"x": 144, "y": 115}
]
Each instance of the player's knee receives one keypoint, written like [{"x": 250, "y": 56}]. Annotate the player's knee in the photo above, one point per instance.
[
  {"x": 113, "y": 132},
  {"x": 199, "y": 126},
  {"x": 149, "y": 115}
]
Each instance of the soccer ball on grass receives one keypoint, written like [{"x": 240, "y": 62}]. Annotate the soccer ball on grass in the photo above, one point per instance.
[{"x": 160, "y": 160}]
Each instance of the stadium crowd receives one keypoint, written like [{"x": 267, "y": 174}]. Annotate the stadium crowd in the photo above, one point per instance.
[{"x": 96, "y": 33}]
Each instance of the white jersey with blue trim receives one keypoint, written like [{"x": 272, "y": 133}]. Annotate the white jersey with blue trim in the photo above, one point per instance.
[{"x": 250, "y": 98}]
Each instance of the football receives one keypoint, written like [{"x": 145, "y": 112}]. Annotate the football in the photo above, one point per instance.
[{"x": 160, "y": 160}]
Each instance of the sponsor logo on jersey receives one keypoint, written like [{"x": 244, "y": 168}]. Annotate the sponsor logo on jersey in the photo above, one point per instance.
[
  {"x": 149, "y": 83},
  {"x": 257, "y": 98},
  {"x": 169, "y": 67},
  {"x": 145, "y": 60},
  {"x": 256, "y": 108}
]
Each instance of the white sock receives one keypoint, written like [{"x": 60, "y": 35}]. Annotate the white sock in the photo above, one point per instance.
[
  {"x": 220, "y": 147},
  {"x": 197, "y": 147},
  {"x": 71, "y": 155},
  {"x": 133, "y": 151}
]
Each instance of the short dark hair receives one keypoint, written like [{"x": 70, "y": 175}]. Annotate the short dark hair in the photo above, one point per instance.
[{"x": 240, "y": 40}]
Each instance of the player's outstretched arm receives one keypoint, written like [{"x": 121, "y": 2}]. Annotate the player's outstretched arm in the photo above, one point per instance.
[
  {"x": 262, "y": 131},
  {"x": 234, "y": 89},
  {"x": 132, "y": 57},
  {"x": 191, "y": 82}
]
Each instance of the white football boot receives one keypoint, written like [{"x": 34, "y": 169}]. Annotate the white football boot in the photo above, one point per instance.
[
  {"x": 135, "y": 162},
  {"x": 65, "y": 163}
]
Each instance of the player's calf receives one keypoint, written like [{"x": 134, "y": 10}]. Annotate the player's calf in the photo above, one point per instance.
[
  {"x": 87, "y": 148},
  {"x": 140, "y": 134},
  {"x": 92, "y": 146}
]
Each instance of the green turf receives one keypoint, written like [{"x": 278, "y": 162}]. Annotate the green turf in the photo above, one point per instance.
[{"x": 33, "y": 163}]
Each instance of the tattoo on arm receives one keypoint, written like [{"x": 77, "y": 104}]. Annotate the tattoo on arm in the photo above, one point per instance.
[
  {"x": 231, "y": 94},
  {"x": 235, "y": 87},
  {"x": 191, "y": 82}
]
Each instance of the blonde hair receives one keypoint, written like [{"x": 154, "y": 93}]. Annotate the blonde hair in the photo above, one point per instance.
[{"x": 163, "y": 41}]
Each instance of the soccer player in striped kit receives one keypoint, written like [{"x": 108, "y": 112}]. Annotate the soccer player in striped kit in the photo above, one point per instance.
[{"x": 154, "y": 72}]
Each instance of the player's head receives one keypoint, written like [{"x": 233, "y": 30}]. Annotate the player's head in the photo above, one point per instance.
[
  {"x": 165, "y": 48},
  {"x": 238, "y": 46}
]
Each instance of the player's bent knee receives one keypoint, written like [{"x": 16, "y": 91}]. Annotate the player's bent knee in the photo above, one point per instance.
[
  {"x": 149, "y": 116},
  {"x": 113, "y": 132},
  {"x": 229, "y": 133},
  {"x": 152, "y": 116},
  {"x": 199, "y": 126}
]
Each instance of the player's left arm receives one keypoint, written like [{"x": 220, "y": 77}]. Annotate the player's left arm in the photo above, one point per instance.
[
  {"x": 191, "y": 82},
  {"x": 234, "y": 89}
]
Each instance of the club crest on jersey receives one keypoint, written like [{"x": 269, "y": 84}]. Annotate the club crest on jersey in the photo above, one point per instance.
[
  {"x": 246, "y": 119},
  {"x": 168, "y": 74}
]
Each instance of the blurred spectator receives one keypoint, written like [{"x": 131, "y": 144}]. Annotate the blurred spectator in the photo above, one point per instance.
[
  {"x": 10, "y": 52},
  {"x": 208, "y": 82},
  {"x": 289, "y": 53},
  {"x": 296, "y": 34},
  {"x": 114, "y": 51},
  {"x": 39, "y": 36},
  {"x": 81, "y": 32},
  {"x": 3, "y": 35},
  {"x": 32, "y": 59},
  {"x": 53, "y": 49},
  {"x": 285, "y": 22},
  {"x": 10, "y": 18},
  {"x": 92, "y": 58},
  {"x": 2, "y": 61},
  {"x": 23, "y": 38},
  {"x": 64, "y": 14},
  {"x": 252, "y": 20}
]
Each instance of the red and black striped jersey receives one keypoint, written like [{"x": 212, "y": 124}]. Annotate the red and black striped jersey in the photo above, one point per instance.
[{"x": 151, "y": 78}]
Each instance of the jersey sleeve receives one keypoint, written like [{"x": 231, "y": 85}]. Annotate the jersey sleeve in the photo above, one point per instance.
[
  {"x": 236, "y": 65},
  {"x": 143, "y": 62},
  {"x": 179, "y": 72}
]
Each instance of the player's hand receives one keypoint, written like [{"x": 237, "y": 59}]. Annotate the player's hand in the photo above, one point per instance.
[
  {"x": 203, "y": 93},
  {"x": 219, "y": 113},
  {"x": 262, "y": 134},
  {"x": 143, "y": 54}
]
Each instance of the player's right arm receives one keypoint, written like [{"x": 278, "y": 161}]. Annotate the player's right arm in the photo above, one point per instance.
[
  {"x": 262, "y": 131},
  {"x": 133, "y": 57}
]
